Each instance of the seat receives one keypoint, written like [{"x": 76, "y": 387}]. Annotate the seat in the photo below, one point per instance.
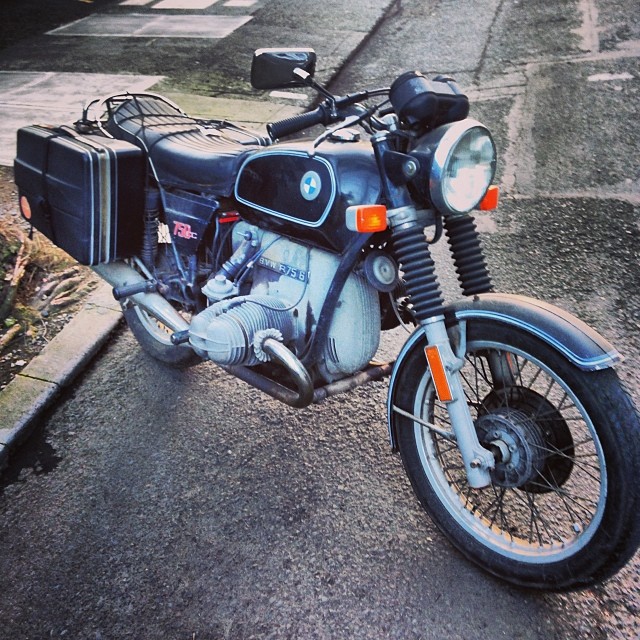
[{"x": 184, "y": 152}]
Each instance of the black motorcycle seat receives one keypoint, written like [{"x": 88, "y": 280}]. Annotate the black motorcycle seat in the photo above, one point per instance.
[{"x": 184, "y": 152}]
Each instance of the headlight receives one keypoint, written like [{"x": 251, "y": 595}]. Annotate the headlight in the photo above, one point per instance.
[{"x": 463, "y": 165}]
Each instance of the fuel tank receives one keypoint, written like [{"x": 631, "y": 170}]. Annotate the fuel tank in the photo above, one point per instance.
[{"x": 299, "y": 191}]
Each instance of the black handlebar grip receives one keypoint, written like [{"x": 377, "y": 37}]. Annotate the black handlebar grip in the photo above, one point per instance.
[
  {"x": 288, "y": 126},
  {"x": 146, "y": 286}
]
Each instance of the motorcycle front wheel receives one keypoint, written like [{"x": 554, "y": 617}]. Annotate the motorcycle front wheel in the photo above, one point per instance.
[{"x": 563, "y": 509}]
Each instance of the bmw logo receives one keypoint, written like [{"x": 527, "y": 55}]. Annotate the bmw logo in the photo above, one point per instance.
[{"x": 310, "y": 185}]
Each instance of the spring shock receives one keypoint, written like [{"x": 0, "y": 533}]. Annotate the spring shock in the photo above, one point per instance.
[
  {"x": 413, "y": 253},
  {"x": 468, "y": 259},
  {"x": 149, "y": 250}
]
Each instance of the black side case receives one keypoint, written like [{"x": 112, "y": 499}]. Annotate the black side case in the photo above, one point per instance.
[{"x": 85, "y": 192}]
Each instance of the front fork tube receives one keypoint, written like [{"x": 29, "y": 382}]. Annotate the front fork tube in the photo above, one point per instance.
[
  {"x": 478, "y": 461},
  {"x": 413, "y": 252}
]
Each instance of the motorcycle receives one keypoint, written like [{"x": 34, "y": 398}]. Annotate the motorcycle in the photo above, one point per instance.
[{"x": 282, "y": 260}]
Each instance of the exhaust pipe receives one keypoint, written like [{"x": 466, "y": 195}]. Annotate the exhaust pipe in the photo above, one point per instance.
[
  {"x": 300, "y": 399},
  {"x": 120, "y": 275},
  {"x": 305, "y": 394}
]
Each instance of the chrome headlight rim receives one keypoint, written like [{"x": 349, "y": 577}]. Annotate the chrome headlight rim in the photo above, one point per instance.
[{"x": 442, "y": 155}]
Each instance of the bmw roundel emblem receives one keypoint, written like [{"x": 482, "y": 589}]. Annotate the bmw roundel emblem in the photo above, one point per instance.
[{"x": 310, "y": 185}]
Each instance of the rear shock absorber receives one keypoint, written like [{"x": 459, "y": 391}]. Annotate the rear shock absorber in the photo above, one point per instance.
[
  {"x": 412, "y": 251},
  {"x": 468, "y": 259},
  {"x": 149, "y": 250}
]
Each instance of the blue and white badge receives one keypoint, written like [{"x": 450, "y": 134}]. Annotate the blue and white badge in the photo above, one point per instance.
[{"x": 310, "y": 185}]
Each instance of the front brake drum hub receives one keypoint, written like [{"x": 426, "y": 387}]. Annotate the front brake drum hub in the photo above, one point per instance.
[{"x": 517, "y": 443}]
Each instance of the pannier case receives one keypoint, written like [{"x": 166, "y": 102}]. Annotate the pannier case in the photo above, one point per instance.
[{"x": 85, "y": 192}]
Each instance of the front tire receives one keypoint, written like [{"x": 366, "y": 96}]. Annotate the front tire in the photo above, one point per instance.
[{"x": 563, "y": 509}]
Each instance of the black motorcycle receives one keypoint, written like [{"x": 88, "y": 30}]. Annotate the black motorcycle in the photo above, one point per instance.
[{"x": 282, "y": 262}]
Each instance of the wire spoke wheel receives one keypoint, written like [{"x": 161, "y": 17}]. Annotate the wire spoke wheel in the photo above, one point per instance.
[
  {"x": 554, "y": 518},
  {"x": 558, "y": 490}
]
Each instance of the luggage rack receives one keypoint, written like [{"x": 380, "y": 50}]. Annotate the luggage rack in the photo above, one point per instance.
[{"x": 105, "y": 108}]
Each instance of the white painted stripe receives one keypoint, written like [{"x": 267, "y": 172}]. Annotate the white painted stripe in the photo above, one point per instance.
[
  {"x": 153, "y": 26},
  {"x": 184, "y": 4},
  {"x": 288, "y": 94},
  {"x": 588, "y": 30},
  {"x": 606, "y": 77}
]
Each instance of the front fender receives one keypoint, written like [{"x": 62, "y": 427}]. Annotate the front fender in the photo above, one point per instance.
[{"x": 575, "y": 340}]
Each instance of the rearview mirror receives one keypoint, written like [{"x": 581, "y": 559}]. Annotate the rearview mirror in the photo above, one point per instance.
[{"x": 273, "y": 68}]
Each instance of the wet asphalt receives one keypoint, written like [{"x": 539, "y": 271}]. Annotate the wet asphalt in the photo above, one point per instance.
[{"x": 186, "y": 505}]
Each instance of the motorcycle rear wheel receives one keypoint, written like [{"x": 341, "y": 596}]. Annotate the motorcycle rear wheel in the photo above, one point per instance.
[
  {"x": 563, "y": 509},
  {"x": 155, "y": 338}
]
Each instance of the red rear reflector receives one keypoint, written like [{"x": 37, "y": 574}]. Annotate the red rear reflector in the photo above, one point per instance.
[
  {"x": 366, "y": 218},
  {"x": 490, "y": 200},
  {"x": 25, "y": 208},
  {"x": 438, "y": 373}
]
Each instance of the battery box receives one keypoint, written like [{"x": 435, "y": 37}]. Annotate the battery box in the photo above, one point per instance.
[{"x": 84, "y": 192}]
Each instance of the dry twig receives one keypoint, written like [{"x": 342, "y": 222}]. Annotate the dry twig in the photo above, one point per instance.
[{"x": 22, "y": 260}]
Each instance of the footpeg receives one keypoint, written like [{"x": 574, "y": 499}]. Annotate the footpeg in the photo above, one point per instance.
[
  {"x": 128, "y": 290},
  {"x": 180, "y": 337}
]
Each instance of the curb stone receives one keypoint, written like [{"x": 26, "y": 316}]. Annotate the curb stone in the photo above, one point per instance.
[{"x": 36, "y": 387}]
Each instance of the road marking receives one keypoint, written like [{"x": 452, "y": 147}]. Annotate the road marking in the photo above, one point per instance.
[
  {"x": 184, "y": 4},
  {"x": 145, "y": 26},
  {"x": 606, "y": 77},
  {"x": 289, "y": 95},
  {"x": 588, "y": 31}
]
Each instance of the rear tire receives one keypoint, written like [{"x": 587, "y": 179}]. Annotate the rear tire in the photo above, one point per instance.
[
  {"x": 155, "y": 338},
  {"x": 563, "y": 509}
]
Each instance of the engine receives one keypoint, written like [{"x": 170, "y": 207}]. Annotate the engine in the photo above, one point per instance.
[{"x": 275, "y": 287}]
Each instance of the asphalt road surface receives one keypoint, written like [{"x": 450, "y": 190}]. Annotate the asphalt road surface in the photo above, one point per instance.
[{"x": 186, "y": 505}]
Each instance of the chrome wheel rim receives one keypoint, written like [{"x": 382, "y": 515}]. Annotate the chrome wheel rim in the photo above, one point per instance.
[{"x": 531, "y": 526}]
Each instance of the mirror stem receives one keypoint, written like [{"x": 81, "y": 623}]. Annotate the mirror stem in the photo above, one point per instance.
[{"x": 309, "y": 81}]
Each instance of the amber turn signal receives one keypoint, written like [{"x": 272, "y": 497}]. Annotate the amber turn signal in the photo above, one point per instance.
[
  {"x": 490, "y": 200},
  {"x": 366, "y": 218}
]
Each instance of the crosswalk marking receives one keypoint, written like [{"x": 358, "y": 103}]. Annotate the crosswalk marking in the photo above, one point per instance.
[
  {"x": 184, "y": 4},
  {"x": 153, "y": 26}
]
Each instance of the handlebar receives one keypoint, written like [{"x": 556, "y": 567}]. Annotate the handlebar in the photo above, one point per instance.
[
  {"x": 327, "y": 113},
  {"x": 281, "y": 128}
]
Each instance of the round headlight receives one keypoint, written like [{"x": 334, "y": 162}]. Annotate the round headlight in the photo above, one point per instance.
[{"x": 463, "y": 166}]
